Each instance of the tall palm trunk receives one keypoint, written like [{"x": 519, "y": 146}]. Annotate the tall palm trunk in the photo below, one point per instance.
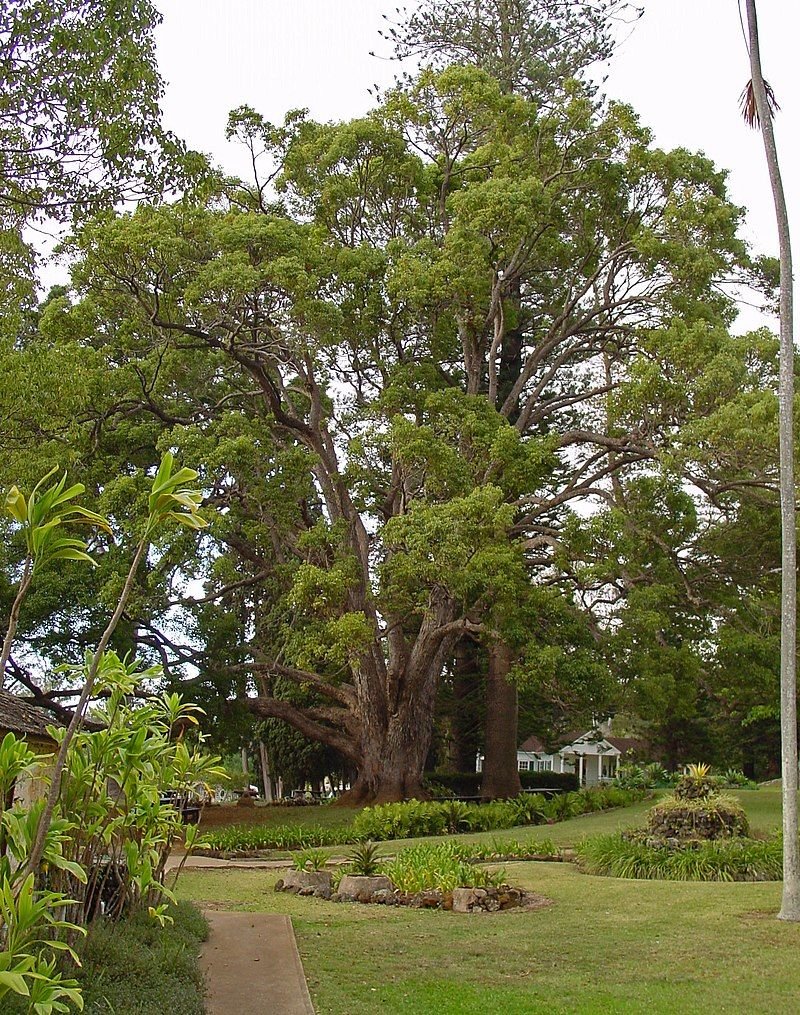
[{"x": 790, "y": 905}]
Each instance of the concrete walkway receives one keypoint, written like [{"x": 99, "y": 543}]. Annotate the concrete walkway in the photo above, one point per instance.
[{"x": 252, "y": 966}]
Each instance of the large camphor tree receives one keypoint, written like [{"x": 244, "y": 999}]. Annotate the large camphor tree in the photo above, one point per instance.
[{"x": 399, "y": 366}]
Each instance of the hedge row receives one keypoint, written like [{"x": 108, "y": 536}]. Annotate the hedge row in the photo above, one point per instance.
[{"x": 418, "y": 819}]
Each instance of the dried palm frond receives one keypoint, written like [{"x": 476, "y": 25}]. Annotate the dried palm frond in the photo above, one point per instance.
[{"x": 747, "y": 102}]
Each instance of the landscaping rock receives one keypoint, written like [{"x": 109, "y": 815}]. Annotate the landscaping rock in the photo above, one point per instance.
[
  {"x": 430, "y": 899},
  {"x": 305, "y": 882},
  {"x": 495, "y": 900},
  {"x": 384, "y": 897},
  {"x": 463, "y": 900},
  {"x": 353, "y": 888}
]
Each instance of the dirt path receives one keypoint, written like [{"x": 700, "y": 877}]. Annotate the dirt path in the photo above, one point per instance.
[{"x": 252, "y": 966}]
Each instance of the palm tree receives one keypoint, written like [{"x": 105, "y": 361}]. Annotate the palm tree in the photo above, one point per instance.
[{"x": 758, "y": 106}]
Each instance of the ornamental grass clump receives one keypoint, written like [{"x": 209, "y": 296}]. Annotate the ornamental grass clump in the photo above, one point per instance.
[{"x": 620, "y": 856}]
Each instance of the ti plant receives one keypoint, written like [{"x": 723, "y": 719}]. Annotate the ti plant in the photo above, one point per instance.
[
  {"x": 170, "y": 500},
  {"x": 46, "y": 519}
]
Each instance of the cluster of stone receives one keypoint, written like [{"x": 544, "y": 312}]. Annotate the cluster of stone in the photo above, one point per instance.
[
  {"x": 379, "y": 890},
  {"x": 315, "y": 883}
]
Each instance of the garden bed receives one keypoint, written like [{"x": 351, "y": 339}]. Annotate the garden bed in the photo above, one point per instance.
[
  {"x": 379, "y": 890},
  {"x": 415, "y": 819}
]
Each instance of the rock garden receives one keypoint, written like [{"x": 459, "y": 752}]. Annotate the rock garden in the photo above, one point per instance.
[
  {"x": 437, "y": 876},
  {"x": 698, "y": 833}
]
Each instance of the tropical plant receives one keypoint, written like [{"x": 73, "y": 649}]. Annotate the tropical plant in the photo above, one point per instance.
[
  {"x": 723, "y": 860},
  {"x": 170, "y": 500},
  {"x": 309, "y": 859},
  {"x": 364, "y": 860},
  {"x": 759, "y": 108},
  {"x": 441, "y": 866},
  {"x": 46, "y": 519}
]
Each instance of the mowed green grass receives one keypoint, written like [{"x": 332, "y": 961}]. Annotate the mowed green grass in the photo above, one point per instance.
[
  {"x": 325, "y": 815},
  {"x": 603, "y": 946}
]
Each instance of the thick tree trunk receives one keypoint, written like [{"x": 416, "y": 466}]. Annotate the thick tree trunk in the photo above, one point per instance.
[
  {"x": 500, "y": 773},
  {"x": 465, "y": 709},
  {"x": 790, "y": 904},
  {"x": 393, "y": 759}
]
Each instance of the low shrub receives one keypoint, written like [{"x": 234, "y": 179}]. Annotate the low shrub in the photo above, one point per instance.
[
  {"x": 418, "y": 819},
  {"x": 408, "y": 820},
  {"x": 721, "y": 860},
  {"x": 511, "y": 849},
  {"x": 529, "y": 809},
  {"x": 454, "y": 783},
  {"x": 650, "y": 776},
  {"x": 256, "y": 837},
  {"x": 135, "y": 965},
  {"x": 733, "y": 778},
  {"x": 441, "y": 866},
  {"x": 554, "y": 780}
]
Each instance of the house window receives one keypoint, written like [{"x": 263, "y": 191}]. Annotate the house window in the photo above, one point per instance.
[
  {"x": 524, "y": 766},
  {"x": 544, "y": 765}
]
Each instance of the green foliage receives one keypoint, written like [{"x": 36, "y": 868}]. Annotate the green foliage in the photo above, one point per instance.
[
  {"x": 469, "y": 783},
  {"x": 139, "y": 966},
  {"x": 112, "y": 119},
  {"x": 364, "y": 860},
  {"x": 107, "y": 844},
  {"x": 43, "y": 515},
  {"x": 733, "y": 778},
  {"x": 724, "y": 860},
  {"x": 439, "y": 866},
  {"x": 250, "y": 838},
  {"x": 417, "y": 819},
  {"x": 408, "y": 820},
  {"x": 633, "y": 776},
  {"x": 310, "y": 859},
  {"x": 697, "y": 783}
]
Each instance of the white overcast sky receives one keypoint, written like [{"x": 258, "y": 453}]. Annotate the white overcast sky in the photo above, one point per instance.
[{"x": 682, "y": 68}]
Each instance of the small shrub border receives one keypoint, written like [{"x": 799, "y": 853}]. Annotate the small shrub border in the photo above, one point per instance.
[
  {"x": 716, "y": 860},
  {"x": 419, "y": 819}
]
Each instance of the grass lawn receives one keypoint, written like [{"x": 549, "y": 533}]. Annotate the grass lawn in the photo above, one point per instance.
[
  {"x": 323, "y": 815},
  {"x": 763, "y": 809},
  {"x": 605, "y": 945}
]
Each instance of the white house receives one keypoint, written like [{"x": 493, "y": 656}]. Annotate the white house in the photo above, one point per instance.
[{"x": 594, "y": 756}]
